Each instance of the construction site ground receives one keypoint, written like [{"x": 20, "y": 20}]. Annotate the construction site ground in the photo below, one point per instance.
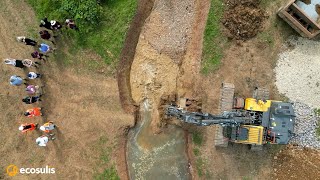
[{"x": 85, "y": 103}]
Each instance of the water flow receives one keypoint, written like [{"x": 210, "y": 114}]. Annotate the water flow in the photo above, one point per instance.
[{"x": 161, "y": 156}]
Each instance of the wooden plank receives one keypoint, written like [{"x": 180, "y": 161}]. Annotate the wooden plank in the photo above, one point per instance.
[{"x": 304, "y": 15}]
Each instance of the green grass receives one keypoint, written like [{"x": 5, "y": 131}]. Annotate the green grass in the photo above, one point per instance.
[
  {"x": 317, "y": 112},
  {"x": 318, "y": 131},
  {"x": 196, "y": 151},
  {"x": 106, "y": 38},
  {"x": 109, "y": 172},
  {"x": 214, "y": 41},
  {"x": 266, "y": 37},
  {"x": 200, "y": 167},
  {"x": 197, "y": 138}
]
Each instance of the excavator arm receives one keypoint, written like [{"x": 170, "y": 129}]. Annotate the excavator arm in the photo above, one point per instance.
[{"x": 205, "y": 119}]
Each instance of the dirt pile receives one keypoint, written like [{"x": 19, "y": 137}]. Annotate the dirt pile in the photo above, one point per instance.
[{"x": 243, "y": 19}]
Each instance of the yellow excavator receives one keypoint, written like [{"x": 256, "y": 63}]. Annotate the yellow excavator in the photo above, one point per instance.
[{"x": 255, "y": 121}]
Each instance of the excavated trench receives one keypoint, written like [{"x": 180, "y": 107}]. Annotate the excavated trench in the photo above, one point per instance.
[{"x": 169, "y": 44}]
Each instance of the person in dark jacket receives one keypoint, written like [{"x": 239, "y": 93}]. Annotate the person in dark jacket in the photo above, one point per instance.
[
  {"x": 45, "y": 23},
  {"x": 38, "y": 55},
  {"x": 55, "y": 25},
  {"x": 71, "y": 24},
  {"x": 26, "y": 41},
  {"x": 44, "y": 34},
  {"x": 30, "y": 100}
]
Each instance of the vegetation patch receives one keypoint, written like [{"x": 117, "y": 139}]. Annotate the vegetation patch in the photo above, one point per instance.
[
  {"x": 197, "y": 138},
  {"x": 214, "y": 41},
  {"x": 200, "y": 164},
  {"x": 110, "y": 172},
  {"x": 102, "y": 24},
  {"x": 317, "y": 112}
]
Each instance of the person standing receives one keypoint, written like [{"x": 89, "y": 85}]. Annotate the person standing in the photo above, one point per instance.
[
  {"x": 32, "y": 89},
  {"x": 33, "y": 112},
  {"x": 30, "y": 63},
  {"x": 31, "y": 99},
  {"x": 71, "y": 24},
  {"x": 45, "y": 23},
  {"x": 38, "y": 55},
  {"x": 26, "y": 41},
  {"x": 55, "y": 25},
  {"x": 33, "y": 75},
  {"x": 45, "y": 48},
  {"x": 44, "y": 139},
  {"x": 27, "y": 127},
  {"x": 14, "y": 62},
  {"x": 16, "y": 80},
  {"x": 44, "y": 34},
  {"x": 47, "y": 127}
]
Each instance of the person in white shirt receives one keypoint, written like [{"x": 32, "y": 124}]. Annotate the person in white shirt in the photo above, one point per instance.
[
  {"x": 33, "y": 75},
  {"x": 44, "y": 139}
]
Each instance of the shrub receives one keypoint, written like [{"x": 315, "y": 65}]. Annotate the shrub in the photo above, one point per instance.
[{"x": 86, "y": 13}]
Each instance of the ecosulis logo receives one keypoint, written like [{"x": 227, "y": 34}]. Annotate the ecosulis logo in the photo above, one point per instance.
[{"x": 13, "y": 170}]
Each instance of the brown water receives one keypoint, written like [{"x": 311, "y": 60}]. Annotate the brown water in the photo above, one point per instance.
[{"x": 161, "y": 156}]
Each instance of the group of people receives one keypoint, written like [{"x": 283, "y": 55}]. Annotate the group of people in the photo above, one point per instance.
[{"x": 34, "y": 91}]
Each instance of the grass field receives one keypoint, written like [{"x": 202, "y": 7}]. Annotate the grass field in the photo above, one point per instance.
[{"x": 213, "y": 38}]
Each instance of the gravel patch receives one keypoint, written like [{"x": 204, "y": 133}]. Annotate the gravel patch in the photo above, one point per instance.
[
  {"x": 298, "y": 78},
  {"x": 306, "y": 123},
  {"x": 297, "y": 71}
]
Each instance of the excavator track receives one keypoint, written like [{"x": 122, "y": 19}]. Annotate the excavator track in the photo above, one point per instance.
[
  {"x": 226, "y": 97},
  {"x": 226, "y": 104}
]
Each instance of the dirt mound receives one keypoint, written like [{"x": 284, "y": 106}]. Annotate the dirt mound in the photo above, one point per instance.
[{"x": 243, "y": 19}]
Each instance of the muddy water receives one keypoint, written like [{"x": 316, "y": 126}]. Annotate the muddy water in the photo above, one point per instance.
[{"x": 156, "y": 156}]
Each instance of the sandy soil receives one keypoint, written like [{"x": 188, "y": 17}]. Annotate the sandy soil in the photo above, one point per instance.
[
  {"x": 84, "y": 105},
  {"x": 162, "y": 44}
]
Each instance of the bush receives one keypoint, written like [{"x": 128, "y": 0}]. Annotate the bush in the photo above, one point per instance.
[
  {"x": 86, "y": 13},
  {"x": 103, "y": 24}
]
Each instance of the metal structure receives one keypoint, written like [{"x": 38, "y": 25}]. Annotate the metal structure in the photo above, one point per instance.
[
  {"x": 257, "y": 122},
  {"x": 302, "y": 17}
]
